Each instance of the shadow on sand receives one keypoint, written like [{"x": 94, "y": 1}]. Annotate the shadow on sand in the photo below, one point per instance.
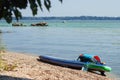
[{"x": 4, "y": 77}]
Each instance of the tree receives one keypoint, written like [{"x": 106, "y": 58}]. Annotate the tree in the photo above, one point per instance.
[{"x": 8, "y": 8}]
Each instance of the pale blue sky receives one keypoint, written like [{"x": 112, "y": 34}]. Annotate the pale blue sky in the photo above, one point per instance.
[{"x": 80, "y": 8}]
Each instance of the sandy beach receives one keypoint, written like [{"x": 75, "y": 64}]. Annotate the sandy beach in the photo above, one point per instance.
[{"x": 29, "y": 68}]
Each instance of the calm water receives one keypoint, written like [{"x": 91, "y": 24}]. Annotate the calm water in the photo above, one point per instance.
[{"x": 67, "y": 40}]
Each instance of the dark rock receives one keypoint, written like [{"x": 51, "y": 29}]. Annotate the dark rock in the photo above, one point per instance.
[{"x": 40, "y": 24}]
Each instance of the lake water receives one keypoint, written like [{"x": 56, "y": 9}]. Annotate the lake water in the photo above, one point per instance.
[{"x": 67, "y": 40}]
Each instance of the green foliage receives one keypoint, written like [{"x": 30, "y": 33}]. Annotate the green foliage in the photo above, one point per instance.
[
  {"x": 40, "y": 5},
  {"x": 47, "y": 4},
  {"x": 6, "y": 67},
  {"x": 3, "y": 63},
  {"x": 10, "y": 7},
  {"x": 60, "y": 0},
  {"x": 33, "y": 6},
  {"x": 2, "y": 49}
]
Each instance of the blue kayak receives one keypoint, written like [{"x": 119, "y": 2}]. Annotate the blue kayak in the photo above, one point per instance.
[
  {"x": 62, "y": 62},
  {"x": 75, "y": 64}
]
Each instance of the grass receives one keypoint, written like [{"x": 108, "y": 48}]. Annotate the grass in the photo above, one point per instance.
[{"x": 4, "y": 66}]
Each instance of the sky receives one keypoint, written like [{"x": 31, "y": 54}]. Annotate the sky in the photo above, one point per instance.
[{"x": 108, "y": 8}]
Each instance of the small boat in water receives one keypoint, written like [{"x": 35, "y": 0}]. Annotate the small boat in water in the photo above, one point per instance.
[{"x": 75, "y": 64}]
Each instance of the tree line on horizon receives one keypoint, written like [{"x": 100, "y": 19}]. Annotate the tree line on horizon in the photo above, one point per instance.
[{"x": 71, "y": 18}]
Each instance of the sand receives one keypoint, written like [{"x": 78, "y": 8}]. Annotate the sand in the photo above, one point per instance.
[{"x": 29, "y": 68}]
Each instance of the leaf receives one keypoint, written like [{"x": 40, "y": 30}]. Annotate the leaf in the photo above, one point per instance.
[
  {"x": 17, "y": 14},
  {"x": 47, "y": 4},
  {"x": 61, "y": 1},
  {"x": 33, "y": 7},
  {"x": 34, "y": 10},
  {"x": 40, "y": 5}
]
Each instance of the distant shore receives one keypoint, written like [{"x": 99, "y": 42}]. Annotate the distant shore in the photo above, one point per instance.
[
  {"x": 29, "y": 68},
  {"x": 70, "y": 18}
]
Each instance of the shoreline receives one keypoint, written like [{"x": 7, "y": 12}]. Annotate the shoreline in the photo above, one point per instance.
[{"x": 29, "y": 68}]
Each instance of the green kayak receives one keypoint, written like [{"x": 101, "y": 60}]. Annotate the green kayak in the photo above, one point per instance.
[{"x": 98, "y": 67}]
